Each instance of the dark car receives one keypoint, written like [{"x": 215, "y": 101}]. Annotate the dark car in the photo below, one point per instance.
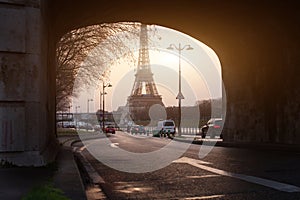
[
  {"x": 128, "y": 129},
  {"x": 138, "y": 129},
  {"x": 110, "y": 129},
  {"x": 213, "y": 127}
]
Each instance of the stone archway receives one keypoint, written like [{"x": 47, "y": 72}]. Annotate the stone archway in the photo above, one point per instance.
[{"x": 256, "y": 42}]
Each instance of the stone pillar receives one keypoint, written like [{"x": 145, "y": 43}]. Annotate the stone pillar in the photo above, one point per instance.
[{"x": 26, "y": 120}]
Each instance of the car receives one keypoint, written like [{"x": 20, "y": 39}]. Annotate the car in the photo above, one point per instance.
[
  {"x": 59, "y": 124},
  {"x": 214, "y": 125},
  {"x": 88, "y": 127},
  {"x": 166, "y": 127},
  {"x": 110, "y": 129},
  {"x": 138, "y": 129},
  {"x": 128, "y": 129},
  {"x": 97, "y": 127},
  {"x": 66, "y": 124},
  {"x": 84, "y": 125}
]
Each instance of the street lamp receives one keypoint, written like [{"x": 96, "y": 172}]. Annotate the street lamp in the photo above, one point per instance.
[
  {"x": 100, "y": 106},
  {"x": 88, "y": 104},
  {"x": 76, "y": 108},
  {"x": 69, "y": 113},
  {"x": 69, "y": 107},
  {"x": 100, "y": 102},
  {"x": 103, "y": 93},
  {"x": 180, "y": 96}
]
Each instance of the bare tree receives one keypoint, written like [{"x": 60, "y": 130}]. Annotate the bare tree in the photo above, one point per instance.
[{"x": 79, "y": 59}]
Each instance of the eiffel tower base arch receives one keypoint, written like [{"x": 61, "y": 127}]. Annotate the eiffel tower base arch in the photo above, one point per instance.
[{"x": 139, "y": 106}]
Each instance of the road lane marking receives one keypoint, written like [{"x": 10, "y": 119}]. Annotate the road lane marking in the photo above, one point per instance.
[
  {"x": 204, "y": 197},
  {"x": 186, "y": 160},
  {"x": 114, "y": 145},
  {"x": 203, "y": 176},
  {"x": 252, "y": 179},
  {"x": 79, "y": 149}
]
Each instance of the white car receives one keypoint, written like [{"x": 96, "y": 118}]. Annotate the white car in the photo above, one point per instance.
[
  {"x": 213, "y": 127},
  {"x": 166, "y": 127}
]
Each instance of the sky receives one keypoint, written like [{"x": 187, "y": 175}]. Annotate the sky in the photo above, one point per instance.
[{"x": 201, "y": 73}]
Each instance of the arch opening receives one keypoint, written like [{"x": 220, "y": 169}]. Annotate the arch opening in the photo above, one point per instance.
[
  {"x": 90, "y": 71},
  {"x": 186, "y": 79}
]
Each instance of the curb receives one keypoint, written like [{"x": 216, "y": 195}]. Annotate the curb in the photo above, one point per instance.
[
  {"x": 92, "y": 173},
  {"x": 261, "y": 146},
  {"x": 246, "y": 145},
  {"x": 67, "y": 176},
  {"x": 86, "y": 171},
  {"x": 95, "y": 181}
]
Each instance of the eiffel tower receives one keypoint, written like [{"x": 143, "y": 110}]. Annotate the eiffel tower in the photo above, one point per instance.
[{"x": 144, "y": 93}]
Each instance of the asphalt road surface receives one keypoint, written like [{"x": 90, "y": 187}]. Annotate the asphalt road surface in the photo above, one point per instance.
[{"x": 160, "y": 168}]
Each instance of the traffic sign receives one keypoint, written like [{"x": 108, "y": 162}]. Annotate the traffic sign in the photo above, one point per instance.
[{"x": 180, "y": 96}]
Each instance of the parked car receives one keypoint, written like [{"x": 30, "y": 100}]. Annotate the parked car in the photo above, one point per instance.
[
  {"x": 88, "y": 126},
  {"x": 72, "y": 124},
  {"x": 166, "y": 127},
  {"x": 213, "y": 127},
  {"x": 59, "y": 124},
  {"x": 84, "y": 125},
  {"x": 97, "y": 127},
  {"x": 66, "y": 124},
  {"x": 110, "y": 129},
  {"x": 138, "y": 129},
  {"x": 128, "y": 129}
]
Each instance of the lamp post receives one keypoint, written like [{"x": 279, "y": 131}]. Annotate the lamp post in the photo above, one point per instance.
[
  {"x": 69, "y": 112},
  {"x": 69, "y": 107},
  {"x": 180, "y": 96},
  {"x": 100, "y": 105},
  {"x": 103, "y": 101},
  {"x": 100, "y": 101},
  {"x": 76, "y": 107},
  {"x": 88, "y": 105}
]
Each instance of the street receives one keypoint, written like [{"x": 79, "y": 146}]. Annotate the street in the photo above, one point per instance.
[{"x": 225, "y": 173}]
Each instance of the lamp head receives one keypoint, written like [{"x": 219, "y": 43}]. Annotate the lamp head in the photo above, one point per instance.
[
  {"x": 170, "y": 48},
  {"x": 190, "y": 48},
  {"x": 107, "y": 85}
]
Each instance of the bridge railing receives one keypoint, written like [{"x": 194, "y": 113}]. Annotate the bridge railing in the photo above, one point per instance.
[{"x": 184, "y": 131}]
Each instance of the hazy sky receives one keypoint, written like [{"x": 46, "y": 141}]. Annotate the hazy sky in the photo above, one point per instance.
[{"x": 201, "y": 73}]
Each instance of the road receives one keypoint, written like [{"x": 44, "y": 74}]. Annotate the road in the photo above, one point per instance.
[{"x": 147, "y": 168}]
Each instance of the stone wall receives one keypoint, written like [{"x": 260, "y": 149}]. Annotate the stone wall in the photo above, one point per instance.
[
  {"x": 25, "y": 127},
  {"x": 257, "y": 43}
]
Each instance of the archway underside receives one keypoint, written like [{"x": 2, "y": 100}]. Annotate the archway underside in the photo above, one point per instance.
[{"x": 255, "y": 41}]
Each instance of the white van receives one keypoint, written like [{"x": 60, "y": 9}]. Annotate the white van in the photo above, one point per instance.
[{"x": 166, "y": 127}]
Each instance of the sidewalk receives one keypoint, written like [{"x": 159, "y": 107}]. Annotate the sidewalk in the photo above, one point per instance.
[
  {"x": 248, "y": 145},
  {"x": 67, "y": 177},
  {"x": 16, "y": 182}
]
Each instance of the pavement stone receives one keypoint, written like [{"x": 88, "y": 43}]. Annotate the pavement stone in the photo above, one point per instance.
[{"x": 16, "y": 182}]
